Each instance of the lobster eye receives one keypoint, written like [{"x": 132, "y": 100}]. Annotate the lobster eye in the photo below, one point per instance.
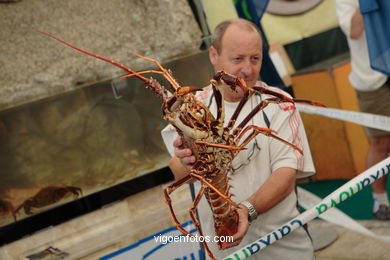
[
  {"x": 218, "y": 75},
  {"x": 229, "y": 79}
]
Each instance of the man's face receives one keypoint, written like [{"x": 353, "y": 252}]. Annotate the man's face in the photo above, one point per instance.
[{"x": 241, "y": 54}]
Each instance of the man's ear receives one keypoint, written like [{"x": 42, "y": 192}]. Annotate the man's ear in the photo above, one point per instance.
[{"x": 213, "y": 55}]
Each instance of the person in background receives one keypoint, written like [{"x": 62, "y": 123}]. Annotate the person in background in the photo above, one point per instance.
[
  {"x": 373, "y": 93},
  {"x": 263, "y": 177}
]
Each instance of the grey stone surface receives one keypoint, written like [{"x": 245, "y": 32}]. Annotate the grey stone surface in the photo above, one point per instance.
[
  {"x": 351, "y": 245},
  {"x": 33, "y": 66}
]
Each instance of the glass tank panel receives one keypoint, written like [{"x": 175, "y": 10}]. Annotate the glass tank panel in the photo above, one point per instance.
[{"x": 68, "y": 146}]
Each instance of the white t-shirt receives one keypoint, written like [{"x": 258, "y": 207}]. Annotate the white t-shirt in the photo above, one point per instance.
[
  {"x": 272, "y": 155},
  {"x": 362, "y": 77}
]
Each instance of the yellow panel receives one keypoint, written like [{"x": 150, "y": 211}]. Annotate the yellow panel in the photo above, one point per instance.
[
  {"x": 287, "y": 29},
  {"x": 327, "y": 137},
  {"x": 218, "y": 11}
]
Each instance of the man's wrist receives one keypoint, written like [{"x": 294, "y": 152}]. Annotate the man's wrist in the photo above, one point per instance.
[{"x": 252, "y": 214}]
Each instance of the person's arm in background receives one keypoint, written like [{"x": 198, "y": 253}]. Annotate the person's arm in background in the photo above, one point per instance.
[
  {"x": 357, "y": 26},
  {"x": 348, "y": 13}
]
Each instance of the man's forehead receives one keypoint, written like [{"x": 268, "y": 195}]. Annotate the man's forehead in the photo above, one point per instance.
[
  {"x": 233, "y": 31},
  {"x": 241, "y": 41},
  {"x": 240, "y": 28}
]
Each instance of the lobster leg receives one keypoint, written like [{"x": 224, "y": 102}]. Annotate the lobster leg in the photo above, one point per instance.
[
  {"x": 289, "y": 144},
  {"x": 268, "y": 132},
  {"x": 218, "y": 100},
  {"x": 195, "y": 220},
  {"x": 313, "y": 103},
  {"x": 285, "y": 98},
  {"x": 259, "y": 107},
  {"x": 256, "y": 130},
  {"x": 16, "y": 211},
  {"x": 203, "y": 180},
  {"x": 223, "y": 146},
  {"x": 168, "y": 190},
  {"x": 281, "y": 97},
  {"x": 243, "y": 101}
]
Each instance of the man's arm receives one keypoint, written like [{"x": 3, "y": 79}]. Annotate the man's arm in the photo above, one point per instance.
[{"x": 276, "y": 188}]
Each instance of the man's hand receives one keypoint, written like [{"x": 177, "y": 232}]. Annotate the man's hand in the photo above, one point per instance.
[
  {"x": 243, "y": 225},
  {"x": 183, "y": 154}
]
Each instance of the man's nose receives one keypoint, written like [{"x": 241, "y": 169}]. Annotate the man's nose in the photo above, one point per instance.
[{"x": 246, "y": 68}]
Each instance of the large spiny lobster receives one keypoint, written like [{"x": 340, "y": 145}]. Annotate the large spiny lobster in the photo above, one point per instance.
[{"x": 214, "y": 145}]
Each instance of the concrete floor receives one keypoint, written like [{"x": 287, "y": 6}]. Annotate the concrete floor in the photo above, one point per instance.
[{"x": 351, "y": 245}]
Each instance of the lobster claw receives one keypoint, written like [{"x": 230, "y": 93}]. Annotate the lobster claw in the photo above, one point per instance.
[{"x": 230, "y": 80}]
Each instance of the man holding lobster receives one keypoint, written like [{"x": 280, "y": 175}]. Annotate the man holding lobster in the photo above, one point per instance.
[
  {"x": 246, "y": 171},
  {"x": 263, "y": 177}
]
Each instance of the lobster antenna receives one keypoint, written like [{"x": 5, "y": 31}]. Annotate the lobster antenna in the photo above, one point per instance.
[{"x": 147, "y": 81}]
